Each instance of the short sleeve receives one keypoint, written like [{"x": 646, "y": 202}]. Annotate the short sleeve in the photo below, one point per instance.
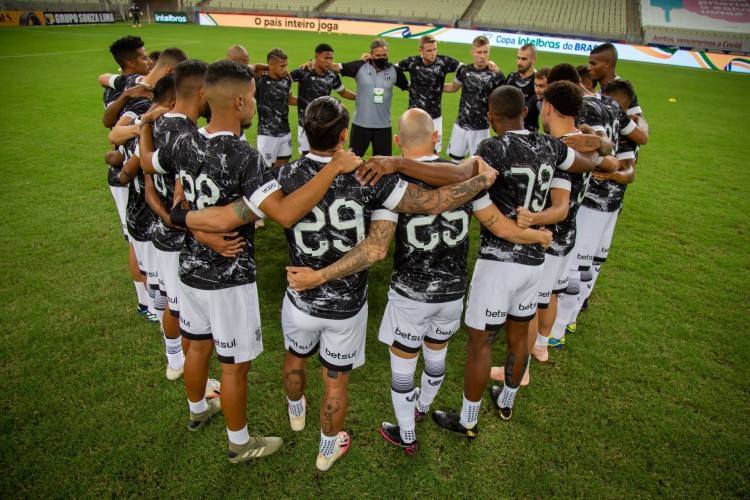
[
  {"x": 459, "y": 74},
  {"x": 337, "y": 84},
  {"x": 481, "y": 201},
  {"x": 560, "y": 180},
  {"x": 296, "y": 74},
  {"x": 383, "y": 214},
  {"x": 254, "y": 191},
  {"x": 565, "y": 157},
  {"x": 392, "y": 192},
  {"x": 451, "y": 64}
]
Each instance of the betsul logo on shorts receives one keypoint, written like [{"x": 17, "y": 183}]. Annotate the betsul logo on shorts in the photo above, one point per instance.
[
  {"x": 171, "y": 17},
  {"x": 338, "y": 355},
  {"x": 407, "y": 335},
  {"x": 527, "y": 307},
  {"x": 225, "y": 345},
  {"x": 495, "y": 314}
]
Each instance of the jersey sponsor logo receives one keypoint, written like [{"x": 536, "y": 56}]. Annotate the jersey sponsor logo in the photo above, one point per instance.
[
  {"x": 185, "y": 322},
  {"x": 444, "y": 333},
  {"x": 338, "y": 355},
  {"x": 269, "y": 186},
  {"x": 407, "y": 335},
  {"x": 562, "y": 282},
  {"x": 225, "y": 345},
  {"x": 172, "y": 300},
  {"x": 604, "y": 249},
  {"x": 545, "y": 295},
  {"x": 495, "y": 314},
  {"x": 585, "y": 257},
  {"x": 298, "y": 346}
]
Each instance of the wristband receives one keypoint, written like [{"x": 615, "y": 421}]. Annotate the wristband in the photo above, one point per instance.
[{"x": 178, "y": 216}]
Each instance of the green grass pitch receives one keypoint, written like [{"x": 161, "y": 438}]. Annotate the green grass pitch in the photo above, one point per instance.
[{"x": 650, "y": 398}]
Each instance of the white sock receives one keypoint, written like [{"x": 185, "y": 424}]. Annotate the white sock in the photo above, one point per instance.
[
  {"x": 470, "y": 413},
  {"x": 296, "y": 407},
  {"x": 173, "y": 347},
  {"x": 586, "y": 288},
  {"x": 402, "y": 390},
  {"x": 408, "y": 435},
  {"x": 506, "y": 398},
  {"x": 432, "y": 376},
  {"x": 541, "y": 340},
  {"x": 566, "y": 307},
  {"x": 198, "y": 407},
  {"x": 327, "y": 444},
  {"x": 239, "y": 437},
  {"x": 140, "y": 290}
]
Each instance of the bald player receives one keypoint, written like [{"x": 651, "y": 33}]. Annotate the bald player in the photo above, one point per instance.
[
  {"x": 425, "y": 300},
  {"x": 239, "y": 54}
]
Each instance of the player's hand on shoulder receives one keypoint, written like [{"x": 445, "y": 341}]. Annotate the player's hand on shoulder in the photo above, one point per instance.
[
  {"x": 545, "y": 236},
  {"x": 523, "y": 217},
  {"x": 376, "y": 167},
  {"x": 225, "y": 244},
  {"x": 308, "y": 65},
  {"x": 586, "y": 129},
  {"x": 303, "y": 278},
  {"x": 139, "y": 91},
  {"x": 153, "y": 113},
  {"x": 346, "y": 161}
]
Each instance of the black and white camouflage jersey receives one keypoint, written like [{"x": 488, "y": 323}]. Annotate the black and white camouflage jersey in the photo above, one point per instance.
[
  {"x": 336, "y": 225},
  {"x": 525, "y": 85},
  {"x": 477, "y": 85},
  {"x": 604, "y": 114},
  {"x": 564, "y": 232},
  {"x": 426, "y": 87},
  {"x": 526, "y": 163},
  {"x": 167, "y": 129},
  {"x": 429, "y": 264},
  {"x": 117, "y": 85},
  {"x": 311, "y": 85},
  {"x": 607, "y": 196},
  {"x": 139, "y": 218},
  {"x": 273, "y": 105},
  {"x": 216, "y": 169},
  {"x": 635, "y": 107}
]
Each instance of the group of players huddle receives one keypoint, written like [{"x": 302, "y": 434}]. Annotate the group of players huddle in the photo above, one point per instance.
[{"x": 190, "y": 198}]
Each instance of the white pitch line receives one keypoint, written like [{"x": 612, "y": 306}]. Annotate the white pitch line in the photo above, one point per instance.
[
  {"x": 49, "y": 30},
  {"x": 78, "y": 51}
]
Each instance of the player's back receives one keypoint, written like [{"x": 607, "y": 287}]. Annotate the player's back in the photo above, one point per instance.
[
  {"x": 526, "y": 163},
  {"x": 603, "y": 113},
  {"x": 429, "y": 263},
  {"x": 216, "y": 169},
  {"x": 336, "y": 225}
]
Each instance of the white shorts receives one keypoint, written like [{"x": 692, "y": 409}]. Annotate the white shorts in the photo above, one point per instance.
[
  {"x": 272, "y": 148},
  {"x": 120, "y": 194},
  {"x": 438, "y": 122},
  {"x": 229, "y": 316},
  {"x": 168, "y": 266},
  {"x": 554, "y": 277},
  {"x": 500, "y": 291},
  {"x": 302, "y": 144},
  {"x": 145, "y": 254},
  {"x": 407, "y": 323},
  {"x": 341, "y": 341},
  {"x": 465, "y": 141},
  {"x": 594, "y": 230}
]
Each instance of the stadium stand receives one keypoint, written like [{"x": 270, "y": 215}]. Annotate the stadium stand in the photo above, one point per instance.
[
  {"x": 302, "y": 7},
  {"x": 57, "y": 5},
  {"x": 441, "y": 11},
  {"x": 598, "y": 18}
]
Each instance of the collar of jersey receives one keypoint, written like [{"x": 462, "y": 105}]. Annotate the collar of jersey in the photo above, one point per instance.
[
  {"x": 426, "y": 158},
  {"x": 321, "y": 159},
  {"x": 519, "y": 132},
  {"x": 174, "y": 115},
  {"x": 208, "y": 135}
]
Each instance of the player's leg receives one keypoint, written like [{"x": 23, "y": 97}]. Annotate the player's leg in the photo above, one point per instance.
[
  {"x": 301, "y": 341},
  {"x": 140, "y": 250},
  {"x": 139, "y": 280},
  {"x": 438, "y": 123},
  {"x": 554, "y": 281},
  {"x": 458, "y": 146},
  {"x": 382, "y": 141},
  {"x": 168, "y": 265},
  {"x": 342, "y": 349},
  {"x": 283, "y": 149},
  {"x": 359, "y": 140},
  {"x": 236, "y": 330}
]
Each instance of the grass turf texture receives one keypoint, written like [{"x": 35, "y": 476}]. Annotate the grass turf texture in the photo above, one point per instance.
[{"x": 650, "y": 397}]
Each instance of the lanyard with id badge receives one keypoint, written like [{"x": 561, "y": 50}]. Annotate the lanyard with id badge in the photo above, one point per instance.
[{"x": 378, "y": 95}]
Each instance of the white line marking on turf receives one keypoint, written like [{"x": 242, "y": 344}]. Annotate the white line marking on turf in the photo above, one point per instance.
[
  {"x": 48, "y": 30},
  {"x": 77, "y": 51}
]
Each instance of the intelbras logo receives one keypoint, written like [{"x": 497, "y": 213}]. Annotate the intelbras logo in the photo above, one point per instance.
[{"x": 171, "y": 17}]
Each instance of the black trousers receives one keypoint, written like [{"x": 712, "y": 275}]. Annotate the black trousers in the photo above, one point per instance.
[{"x": 381, "y": 139}]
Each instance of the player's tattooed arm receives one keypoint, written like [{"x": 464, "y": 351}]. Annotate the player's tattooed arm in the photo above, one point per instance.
[
  {"x": 581, "y": 163},
  {"x": 587, "y": 143},
  {"x": 129, "y": 170},
  {"x": 214, "y": 219},
  {"x": 502, "y": 227},
  {"x": 418, "y": 200},
  {"x": 287, "y": 210},
  {"x": 372, "y": 249},
  {"x": 434, "y": 174}
]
